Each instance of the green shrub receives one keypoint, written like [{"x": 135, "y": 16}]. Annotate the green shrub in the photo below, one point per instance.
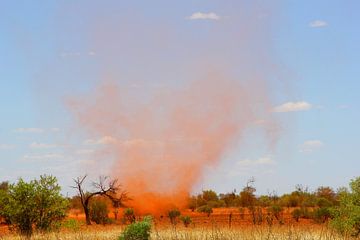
[
  {"x": 129, "y": 215},
  {"x": 37, "y": 203},
  {"x": 323, "y": 202},
  {"x": 138, "y": 230},
  {"x": 173, "y": 214},
  {"x": 296, "y": 214},
  {"x": 216, "y": 204},
  {"x": 205, "y": 209},
  {"x": 276, "y": 211},
  {"x": 301, "y": 213},
  {"x": 321, "y": 215},
  {"x": 71, "y": 224},
  {"x": 186, "y": 220},
  {"x": 346, "y": 216},
  {"x": 99, "y": 212}
]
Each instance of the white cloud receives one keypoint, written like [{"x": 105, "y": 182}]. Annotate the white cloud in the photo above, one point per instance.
[
  {"x": 293, "y": 107},
  {"x": 6, "y": 146},
  {"x": 318, "y": 24},
  {"x": 101, "y": 141},
  {"x": 37, "y": 145},
  {"x": 311, "y": 146},
  {"x": 204, "y": 16},
  {"x": 263, "y": 161},
  {"x": 55, "y": 129},
  {"x": 29, "y": 130},
  {"x": 85, "y": 151},
  {"x": 43, "y": 157}
]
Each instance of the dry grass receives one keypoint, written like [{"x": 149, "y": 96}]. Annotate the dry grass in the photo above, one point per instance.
[{"x": 250, "y": 233}]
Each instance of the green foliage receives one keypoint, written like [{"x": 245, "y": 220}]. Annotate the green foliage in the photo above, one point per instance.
[
  {"x": 209, "y": 195},
  {"x": 290, "y": 200},
  {"x": 296, "y": 214},
  {"x": 327, "y": 193},
  {"x": 186, "y": 220},
  {"x": 264, "y": 201},
  {"x": 205, "y": 209},
  {"x": 301, "y": 213},
  {"x": 216, "y": 204},
  {"x": 324, "y": 202},
  {"x": 346, "y": 216},
  {"x": 129, "y": 215},
  {"x": 247, "y": 195},
  {"x": 36, "y": 203},
  {"x": 276, "y": 211},
  {"x": 71, "y": 224},
  {"x": 4, "y": 186},
  {"x": 192, "y": 204},
  {"x": 173, "y": 214},
  {"x": 230, "y": 199},
  {"x": 99, "y": 212},
  {"x": 321, "y": 215},
  {"x": 138, "y": 230}
]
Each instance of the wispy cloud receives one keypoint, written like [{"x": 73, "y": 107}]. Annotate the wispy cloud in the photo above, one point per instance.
[
  {"x": 36, "y": 130},
  {"x": 101, "y": 141},
  {"x": 85, "y": 151},
  {"x": 204, "y": 16},
  {"x": 293, "y": 107},
  {"x": 29, "y": 130},
  {"x": 311, "y": 146},
  {"x": 262, "y": 165},
  {"x": 36, "y": 145},
  {"x": 318, "y": 24},
  {"x": 263, "y": 161},
  {"x": 43, "y": 157},
  {"x": 6, "y": 146}
]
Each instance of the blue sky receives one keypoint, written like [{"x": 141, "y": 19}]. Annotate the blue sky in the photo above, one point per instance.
[{"x": 55, "y": 50}]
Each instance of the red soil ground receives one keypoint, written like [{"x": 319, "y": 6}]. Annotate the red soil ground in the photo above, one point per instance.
[{"x": 219, "y": 218}]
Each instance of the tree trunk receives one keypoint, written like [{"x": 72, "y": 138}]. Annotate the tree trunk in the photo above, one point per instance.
[{"x": 87, "y": 215}]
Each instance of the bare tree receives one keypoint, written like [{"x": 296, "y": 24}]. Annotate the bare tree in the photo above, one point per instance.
[{"x": 104, "y": 187}]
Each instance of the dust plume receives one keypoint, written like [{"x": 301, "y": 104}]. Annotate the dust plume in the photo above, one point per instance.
[
  {"x": 162, "y": 145},
  {"x": 165, "y": 132}
]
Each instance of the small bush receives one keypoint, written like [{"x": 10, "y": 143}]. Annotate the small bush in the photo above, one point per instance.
[
  {"x": 205, "y": 209},
  {"x": 173, "y": 214},
  {"x": 276, "y": 211},
  {"x": 321, "y": 215},
  {"x": 296, "y": 214},
  {"x": 138, "y": 230},
  {"x": 323, "y": 202},
  {"x": 129, "y": 215},
  {"x": 186, "y": 220},
  {"x": 71, "y": 224},
  {"x": 99, "y": 212},
  {"x": 301, "y": 213}
]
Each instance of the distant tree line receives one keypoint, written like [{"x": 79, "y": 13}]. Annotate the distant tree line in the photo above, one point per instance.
[
  {"x": 39, "y": 205},
  {"x": 342, "y": 207}
]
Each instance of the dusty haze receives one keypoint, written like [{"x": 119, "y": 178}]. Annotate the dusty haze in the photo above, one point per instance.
[{"x": 161, "y": 134}]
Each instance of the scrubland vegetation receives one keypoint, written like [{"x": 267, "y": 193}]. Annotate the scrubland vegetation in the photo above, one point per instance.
[{"x": 37, "y": 210}]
